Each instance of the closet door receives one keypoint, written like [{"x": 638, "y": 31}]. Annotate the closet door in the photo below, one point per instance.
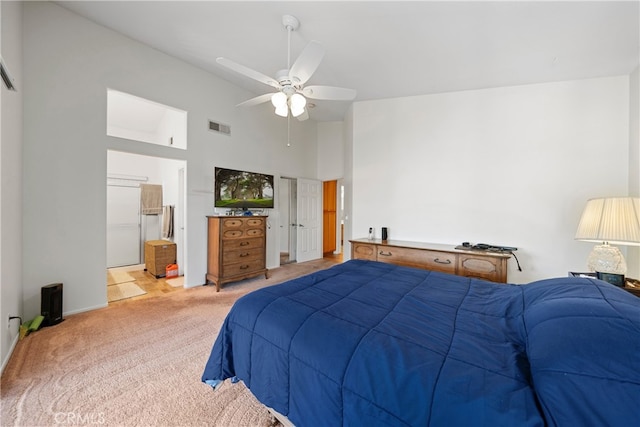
[
  {"x": 123, "y": 226},
  {"x": 309, "y": 213},
  {"x": 329, "y": 214}
]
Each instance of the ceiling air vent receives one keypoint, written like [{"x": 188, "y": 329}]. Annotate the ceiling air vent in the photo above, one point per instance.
[{"x": 219, "y": 127}]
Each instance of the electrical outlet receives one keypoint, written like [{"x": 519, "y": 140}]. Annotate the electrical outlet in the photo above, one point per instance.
[{"x": 11, "y": 318}]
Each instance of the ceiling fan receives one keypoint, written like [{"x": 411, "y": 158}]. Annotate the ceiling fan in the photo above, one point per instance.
[{"x": 291, "y": 96}]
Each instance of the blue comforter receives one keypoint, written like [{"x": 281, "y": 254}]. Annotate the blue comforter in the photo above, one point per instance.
[{"x": 367, "y": 343}]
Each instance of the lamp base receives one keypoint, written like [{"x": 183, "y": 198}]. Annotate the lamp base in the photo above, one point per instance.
[
  {"x": 606, "y": 259},
  {"x": 614, "y": 279}
]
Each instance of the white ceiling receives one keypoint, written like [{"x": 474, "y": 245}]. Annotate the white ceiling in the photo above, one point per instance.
[{"x": 387, "y": 49}]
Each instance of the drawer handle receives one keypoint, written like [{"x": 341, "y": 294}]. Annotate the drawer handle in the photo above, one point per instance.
[
  {"x": 385, "y": 254},
  {"x": 244, "y": 254},
  {"x": 244, "y": 267},
  {"x": 244, "y": 243},
  {"x": 448, "y": 261}
]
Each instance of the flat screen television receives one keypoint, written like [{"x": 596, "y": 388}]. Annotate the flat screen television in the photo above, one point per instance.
[{"x": 242, "y": 190}]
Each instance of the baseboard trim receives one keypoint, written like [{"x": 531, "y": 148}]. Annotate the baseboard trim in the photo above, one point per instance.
[
  {"x": 82, "y": 310},
  {"x": 5, "y": 362}
]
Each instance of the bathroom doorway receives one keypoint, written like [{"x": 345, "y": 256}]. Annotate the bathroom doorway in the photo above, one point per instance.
[{"x": 128, "y": 227}]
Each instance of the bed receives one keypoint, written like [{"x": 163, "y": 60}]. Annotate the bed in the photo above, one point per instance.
[{"x": 369, "y": 343}]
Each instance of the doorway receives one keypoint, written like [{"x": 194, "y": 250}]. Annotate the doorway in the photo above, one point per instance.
[
  {"x": 333, "y": 224},
  {"x": 329, "y": 217},
  {"x": 128, "y": 228},
  {"x": 300, "y": 202},
  {"x": 288, "y": 201}
]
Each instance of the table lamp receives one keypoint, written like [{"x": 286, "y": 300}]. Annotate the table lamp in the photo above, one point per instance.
[{"x": 610, "y": 220}]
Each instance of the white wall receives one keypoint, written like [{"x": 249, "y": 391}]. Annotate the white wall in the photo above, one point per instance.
[
  {"x": 11, "y": 178},
  {"x": 69, "y": 62},
  {"x": 511, "y": 166},
  {"x": 330, "y": 150}
]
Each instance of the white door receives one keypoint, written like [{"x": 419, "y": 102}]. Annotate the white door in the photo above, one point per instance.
[
  {"x": 309, "y": 221},
  {"x": 123, "y": 226}
]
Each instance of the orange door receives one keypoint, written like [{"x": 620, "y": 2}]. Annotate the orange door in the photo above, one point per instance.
[{"x": 329, "y": 213}]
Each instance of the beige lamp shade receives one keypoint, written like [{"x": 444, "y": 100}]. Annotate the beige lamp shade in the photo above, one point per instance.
[{"x": 612, "y": 220}]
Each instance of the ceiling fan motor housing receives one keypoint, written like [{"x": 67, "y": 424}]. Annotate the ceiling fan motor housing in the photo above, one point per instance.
[
  {"x": 285, "y": 80},
  {"x": 290, "y": 22}
]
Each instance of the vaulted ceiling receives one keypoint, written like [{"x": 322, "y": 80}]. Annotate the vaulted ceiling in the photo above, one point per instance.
[{"x": 387, "y": 49}]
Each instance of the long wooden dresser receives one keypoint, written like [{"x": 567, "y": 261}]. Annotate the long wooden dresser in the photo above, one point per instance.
[
  {"x": 490, "y": 266},
  {"x": 236, "y": 248}
]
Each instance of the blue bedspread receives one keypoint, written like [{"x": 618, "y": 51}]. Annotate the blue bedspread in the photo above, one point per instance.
[{"x": 372, "y": 344}]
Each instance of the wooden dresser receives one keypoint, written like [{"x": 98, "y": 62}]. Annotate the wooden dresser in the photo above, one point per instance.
[
  {"x": 236, "y": 248},
  {"x": 437, "y": 257}
]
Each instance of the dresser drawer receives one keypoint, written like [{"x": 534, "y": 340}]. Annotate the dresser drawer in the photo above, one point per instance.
[
  {"x": 255, "y": 222},
  {"x": 236, "y": 229},
  {"x": 243, "y": 243},
  {"x": 494, "y": 269},
  {"x": 239, "y": 234},
  {"x": 254, "y": 232},
  {"x": 243, "y": 267},
  {"x": 430, "y": 260},
  {"x": 363, "y": 251},
  {"x": 243, "y": 255},
  {"x": 232, "y": 223}
]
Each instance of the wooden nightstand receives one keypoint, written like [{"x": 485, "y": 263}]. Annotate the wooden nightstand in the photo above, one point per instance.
[
  {"x": 632, "y": 285},
  {"x": 635, "y": 289}
]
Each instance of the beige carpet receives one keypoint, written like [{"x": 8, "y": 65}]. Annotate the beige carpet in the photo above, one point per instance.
[
  {"x": 134, "y": 364},
  {"x": 115, "y": 277},
  {"x": 123, "y": 291}
]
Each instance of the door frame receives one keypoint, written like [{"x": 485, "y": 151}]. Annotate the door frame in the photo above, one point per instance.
[{"x": 182, "y": 191}]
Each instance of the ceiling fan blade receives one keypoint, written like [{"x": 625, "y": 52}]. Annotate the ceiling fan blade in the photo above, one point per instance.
[
  {"x": 255, "y": 101},
  {"x": 329, "y": 93},
  {"x": 248, "y": 72},
  {"x": 307, "y": 63}
]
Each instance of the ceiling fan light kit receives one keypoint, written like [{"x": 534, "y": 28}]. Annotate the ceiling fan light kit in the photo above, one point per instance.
[{"x": 291, "y": 98}]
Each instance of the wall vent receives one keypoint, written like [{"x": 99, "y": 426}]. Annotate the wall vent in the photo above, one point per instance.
[{"x": 219, "y": 127}]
